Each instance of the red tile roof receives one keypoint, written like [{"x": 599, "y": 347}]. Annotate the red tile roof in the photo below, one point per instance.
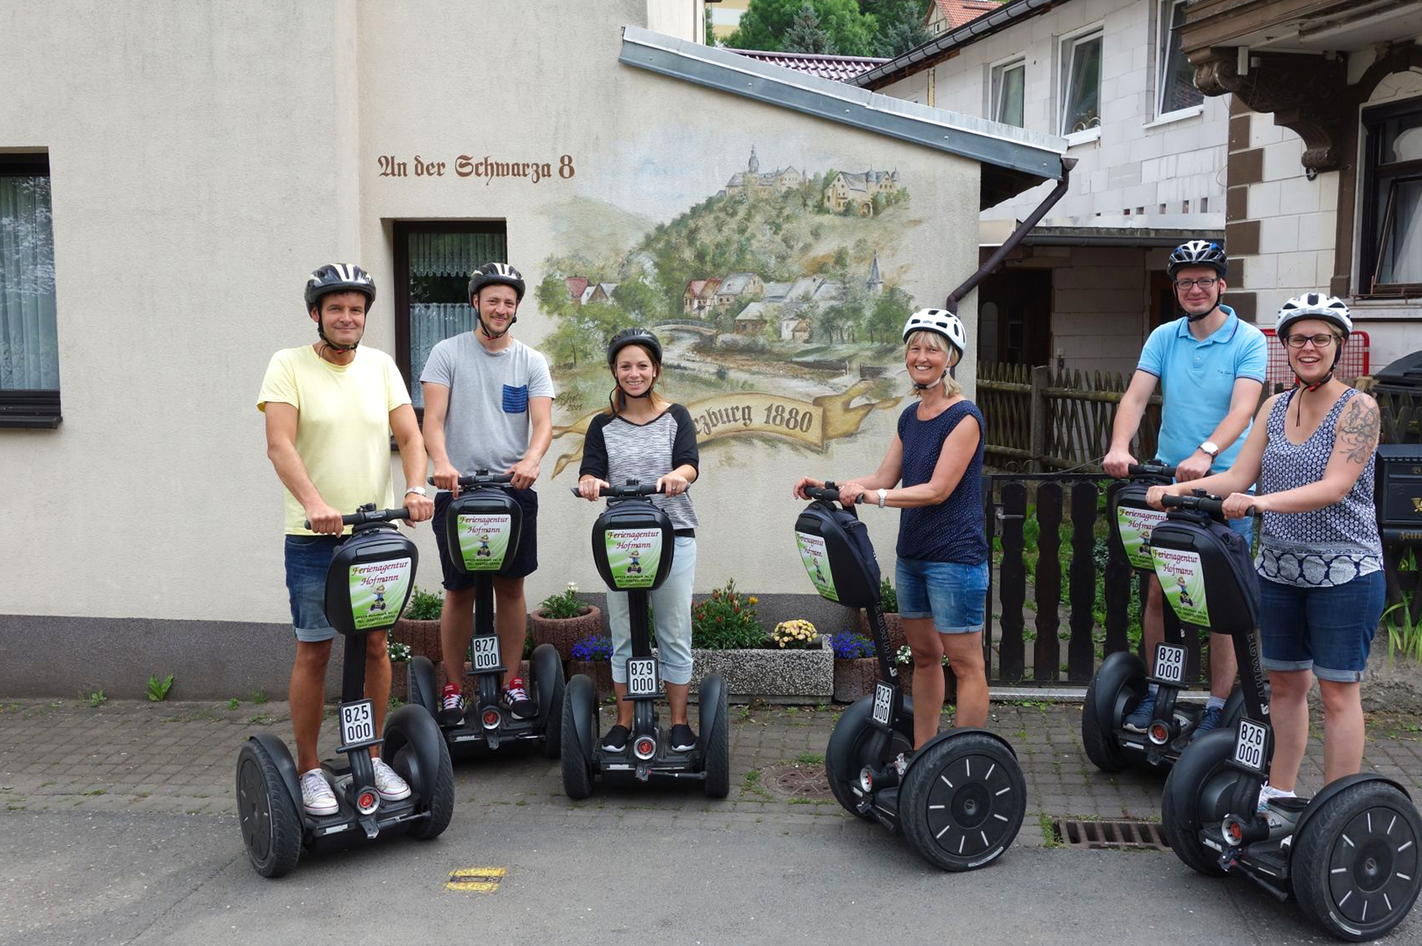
[
  {"x": 958, "y": 12},
  {"x": 840, "y": 68},
  {"x": 576, "y": 286}
]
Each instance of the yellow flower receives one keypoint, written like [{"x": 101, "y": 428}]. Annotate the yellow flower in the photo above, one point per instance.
[{"x": 751, "y": 599}]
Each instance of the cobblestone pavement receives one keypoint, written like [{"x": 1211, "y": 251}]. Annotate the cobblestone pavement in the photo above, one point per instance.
[{"x": 179, "y": 758}]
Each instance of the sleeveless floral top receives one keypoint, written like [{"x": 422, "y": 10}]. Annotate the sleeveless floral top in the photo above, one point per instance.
[{"x": 1326, "y": 547}]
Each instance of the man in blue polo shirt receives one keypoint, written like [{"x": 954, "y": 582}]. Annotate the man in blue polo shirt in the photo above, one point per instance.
[{"x": 1210, "y": 366}]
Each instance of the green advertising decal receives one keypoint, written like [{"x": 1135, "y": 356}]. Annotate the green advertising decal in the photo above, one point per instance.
[
  {"x": 633, "y": 556},
  {"x": 378, "y": 590},
  {"x": 812, "y": 553},
  {"x": 1183, "y": 579},
  {"x": 1135, "y": 526},
  {"x": 484, "y": 541}
]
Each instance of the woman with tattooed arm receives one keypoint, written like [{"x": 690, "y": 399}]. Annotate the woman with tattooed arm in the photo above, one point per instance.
[{"x": 1320, "y": 558}]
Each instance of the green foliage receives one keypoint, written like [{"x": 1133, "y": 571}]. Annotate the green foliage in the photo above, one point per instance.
[
  {"x": 563, "y": 605},
  {"x": 1403, "y": 621},
  {"x": 399, "y": 653},
  {"x": 804, "y": 34},
  {"x": 259, "y": 696},
  {"x": 158, "y": 687},
  {"x": 726, "y": 621},
  {"x": 766, "y": 22},
  {"x": 888, "y": 597},
  {"x": 423, "y": 606},
  {"x": 97, "y": 699},
  {"x": 232, "y": 703}
]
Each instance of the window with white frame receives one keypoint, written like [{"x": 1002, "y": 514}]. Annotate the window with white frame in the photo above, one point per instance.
[
  {"x": 29, "y": 343},
  {"x": 1175, "y": 75},
  {"x": 1009, "y": 82},
  {"x": 1081, "y": 82},
  {"x": 1392, "y": 200}
]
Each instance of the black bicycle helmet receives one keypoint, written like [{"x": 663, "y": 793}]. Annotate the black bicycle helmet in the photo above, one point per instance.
[
  {"x": 337, "y": 277},
  {"x": 634, "y": 336},
  {"x": 1198, "y": 253},
  {"x": 496, "y": 274}
]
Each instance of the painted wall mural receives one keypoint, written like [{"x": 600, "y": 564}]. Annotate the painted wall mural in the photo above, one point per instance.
[{"x": 776, "y": 296}]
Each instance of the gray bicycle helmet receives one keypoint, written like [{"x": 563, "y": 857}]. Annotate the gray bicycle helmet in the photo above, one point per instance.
[
  {"x": 634, "y": 336},
  {"x": 1198, "y": 253}
]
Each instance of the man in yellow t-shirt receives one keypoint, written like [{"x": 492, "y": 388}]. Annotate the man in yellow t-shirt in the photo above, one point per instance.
[{"x": 330, "y": 408}]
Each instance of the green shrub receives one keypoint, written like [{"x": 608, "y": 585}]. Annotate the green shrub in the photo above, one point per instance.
[
  {"x": 158, "y": 688},
  {"x": 726, "y": 621},
  {"x": 564, "y": 604},
  {"x": 424, "y": 606},
  {"x": 888, "y": 597}
]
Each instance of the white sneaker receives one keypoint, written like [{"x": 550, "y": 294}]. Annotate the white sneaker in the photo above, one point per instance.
[
  {"x": 1268, "y": 792},
  {"x": 316, "y": 795},
  {"x": 390, "y": 785}
]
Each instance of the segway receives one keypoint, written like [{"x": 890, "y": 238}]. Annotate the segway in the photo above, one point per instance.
[
  {"x": 1349, "y": 854},
  {"x": 484, "y": 525},
  {"x": 960, "y": 798},
  {"x": 633, "y": 530},
  {"x": 1120, "y": 683},
  {"x": 367, "y": 586}
]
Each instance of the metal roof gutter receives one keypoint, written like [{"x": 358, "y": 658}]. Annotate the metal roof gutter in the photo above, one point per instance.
[
  {"x": 1030, "y": 154},
  {"x": 936, "y": 50}
]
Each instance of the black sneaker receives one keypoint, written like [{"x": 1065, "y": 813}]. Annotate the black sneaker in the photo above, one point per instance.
[
  {"x": 682, "y": 738},
  {"x": 516, "y": 701},
  {"x": 616, "y": 739}
]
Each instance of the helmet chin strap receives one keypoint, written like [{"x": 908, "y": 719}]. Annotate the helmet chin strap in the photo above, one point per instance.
[
  {"x": 479, "y": 316},
  {"x": 931, "y": 384},
  {"x": 321, "y": 331},
  {"x": 1206, "y": 313},
  {"x": 1298, "y": 414}
]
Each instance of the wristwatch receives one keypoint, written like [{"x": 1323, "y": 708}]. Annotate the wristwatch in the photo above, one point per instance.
[
  {"x": 416, "y": 489},
  {"x": 1210, "y": 449},
  {"x": 883, "y": 495}
]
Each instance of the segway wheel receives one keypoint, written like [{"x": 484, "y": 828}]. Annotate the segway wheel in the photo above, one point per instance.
[
  {"x": 548, "y": 678},
  {"x": 1114, "y": 691},
  {"x": 718, "y": 751},
  {"x": 579, "y": 701},
  {"x": 422, "y": 684},
  {"x": 1356, "y": 865},
  {"x": 1198, "y": 792},
  {"x": 270, "y": 822},
  {"x": 962, "y": 801},
  {"x": 848, "y": 751},
  {"x": 411, "y": 734}
]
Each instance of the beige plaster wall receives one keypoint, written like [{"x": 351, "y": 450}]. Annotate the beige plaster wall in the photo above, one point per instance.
[{"x": 204, "y": 160}]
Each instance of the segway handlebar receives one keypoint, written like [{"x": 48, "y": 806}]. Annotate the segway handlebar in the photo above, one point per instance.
[
  {"x": 1151, "y": 469},
  {"x": 362, "y": 516},
  {"x": 1213, "y": 506},
  {"x": 632, "y": 488},
  {"x": 827, "y": 493},
  {"x": 482, "y": 478}
]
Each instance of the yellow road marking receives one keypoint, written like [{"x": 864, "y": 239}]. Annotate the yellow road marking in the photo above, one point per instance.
[{"x": 475, "y": 879}]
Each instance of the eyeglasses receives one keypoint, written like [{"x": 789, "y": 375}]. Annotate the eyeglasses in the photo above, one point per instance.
[
  {"x": 1319, "y": 341},
  {"x": 1207, "y": 282}
]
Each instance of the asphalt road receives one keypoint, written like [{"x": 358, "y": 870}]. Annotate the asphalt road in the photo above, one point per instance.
[{"x": 115, "y": 877}]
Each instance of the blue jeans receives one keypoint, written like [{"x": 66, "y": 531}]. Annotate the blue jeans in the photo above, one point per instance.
[
  {"x": 307, "y": 559},
  {"x": 671, "y": 608},
  {"x": 1328, "y": 630},
  {"x": 954, "y": 595}
]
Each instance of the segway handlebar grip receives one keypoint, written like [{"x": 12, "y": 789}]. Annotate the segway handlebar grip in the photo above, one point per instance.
[
  {"x": 481, "y": 478},
  {"x": 1212, "y": 506},
  {"x": 1150, "y": 469},
  {"x": 370, "y": 515},
  {"x": 624, "y": 492},
  {"x": 827, "y": 493}
]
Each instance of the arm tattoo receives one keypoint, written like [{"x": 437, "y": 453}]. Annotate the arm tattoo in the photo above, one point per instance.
[{"x": 1358, "y": 429}]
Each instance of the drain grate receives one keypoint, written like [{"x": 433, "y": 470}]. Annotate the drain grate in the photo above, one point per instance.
[
  {"x": 1111, "y": 835},
  {"x": 797, "y": 780}
]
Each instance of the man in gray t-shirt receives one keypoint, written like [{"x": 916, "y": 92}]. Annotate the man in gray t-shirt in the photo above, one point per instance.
[{"x": 488, "y": 406}]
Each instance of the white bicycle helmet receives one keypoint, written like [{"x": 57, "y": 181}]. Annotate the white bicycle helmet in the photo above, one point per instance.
[
  {"x": 943, "y": 322},
  {"x": 1313, "y": 305}
]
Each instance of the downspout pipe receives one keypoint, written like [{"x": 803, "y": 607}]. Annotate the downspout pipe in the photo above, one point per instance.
[{"x": 1011, "y": 242}]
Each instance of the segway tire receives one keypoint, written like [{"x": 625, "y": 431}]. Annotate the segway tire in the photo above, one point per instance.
[
  {"x": 1119, "y": 684},
  {"x": 412, "y": 735},
  {"x": 270, "y": 821},
  {"x": 577, "y": 761},
  {"x": 1197, "y": 792},
  {"x": 1351, "y": 858},
  {"x": 422, "y": 684},
  {"x": 547, "y": 669},
  {"x": 962, "y": 801},
  {"x": 718, "y": 750},
  {"x": 847, "y": 752}
]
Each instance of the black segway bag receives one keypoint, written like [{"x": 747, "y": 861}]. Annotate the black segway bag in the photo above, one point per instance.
[
  {"x": 1206, "y": 572},
  {"x": 1132, "y": 521},
  {"x": 483, "y": 527},
  {"x": 370, "y": 579},
  {"x": 838, "y": 556},
  {"x": 633, "y": 544}
]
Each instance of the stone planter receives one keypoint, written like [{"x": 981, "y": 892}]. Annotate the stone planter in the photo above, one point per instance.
[
  {"x": 400, "y": 680},
  {"x": 563, "y": 633},
  {"x": 422, "y": 636},
  {"x": 599, "y": 670},
  {"x": 770, "y": 674},
  {"x": 854, "y": 678},
  {"x": 896, "y": 630}
]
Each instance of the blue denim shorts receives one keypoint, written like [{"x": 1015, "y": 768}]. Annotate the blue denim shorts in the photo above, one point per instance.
[
  {"x": 307, "y": 559},
  {"x": 1326, "y": 630},
  {"x": 954, "y": 595}
]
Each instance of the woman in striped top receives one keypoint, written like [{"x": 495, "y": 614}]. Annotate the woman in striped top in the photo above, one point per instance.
[{"x": 642, "y": 436}]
